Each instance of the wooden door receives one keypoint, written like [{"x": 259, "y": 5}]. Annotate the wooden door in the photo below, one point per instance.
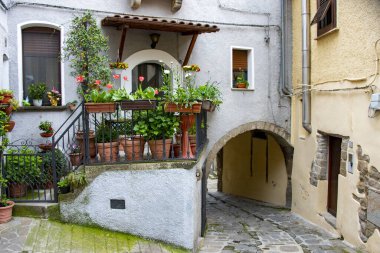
[{"x": 334, "y": 168}]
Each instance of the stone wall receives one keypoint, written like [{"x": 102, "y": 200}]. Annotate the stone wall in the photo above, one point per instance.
[{"x": 369, "y": 185}]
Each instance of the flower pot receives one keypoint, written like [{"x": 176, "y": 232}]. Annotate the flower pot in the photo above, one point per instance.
[
  {"x": 76, "y": 159},
  {"x": 207, "y": 105},
  {"x": 100, "y": 107},
  {"x": 177, "y": 148},
  {"x": 6, "y": 212},
  {"x": 241, "y": 85},
  {"x": 133, "y": 147},
  {"x": 91, "y": 137},
  {"x": 53, "y": 102},
  {"x": 7, "y": 108},
  {"x": 106, "y": 153},
  {"x": 7, "y": 98},
  {"x": 9, "y": 126},
  {"x": 17, "y": 190},
  {"x": 172, "y": 107},
  {"x": 46, "y": 135},
  {"x": 45, "y": 146},
  {"x": 71, "y": 106},
  {"x": 193, "y": 147},
  {"x": 64, "y": 190},
  {"x": 157, "y": 148},
  {"x": 37, "y": 102},
  {"x": 193, "y": 139},
  {"x": 143, "y": 104}
]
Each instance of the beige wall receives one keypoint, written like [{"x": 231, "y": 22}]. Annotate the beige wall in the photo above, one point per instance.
[
  {"x": 337, "y": 61},
  {"x": 237, "y": 179}
]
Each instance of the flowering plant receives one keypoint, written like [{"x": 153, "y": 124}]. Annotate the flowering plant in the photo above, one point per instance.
[
  {"x": 192, "y": 67},
  {"x": 54, "y": 96},
  {"x": 46, "y": 127},
  {"x": 75, "y": 148},
  {"x": 118, "y": 65}
]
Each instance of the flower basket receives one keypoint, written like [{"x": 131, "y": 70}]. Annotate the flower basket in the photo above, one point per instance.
[
  {"x": 172, "y": 107},
  {"x": 9, "y": 126},
  {"x": 241, "y": 85},
  {"x": 45, "y": 146},
  {"x": 143, "y": 104},
  {"x": 207, "y": 105},
  {"x": 46, "y": 135},
  {"x": 100, "y": 107}
]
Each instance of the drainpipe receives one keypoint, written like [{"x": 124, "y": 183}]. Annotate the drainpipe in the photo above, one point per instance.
[
  {"x": 283, "y": 86},
  {"x": 306, "y": 96}
]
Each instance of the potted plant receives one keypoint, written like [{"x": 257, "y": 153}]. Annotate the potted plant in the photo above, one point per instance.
[
  {"x": 37, "y": 92},
  {"x": 46, "y": 128},
  {"x": 63, "y": 185},
  {"x": 80, "y": 137},
  {"x": 132, "y": 143},
  {"x": 6, "y": 205},
  {"x": 5, "y": 96},
  {"x": 61, "y": 166},
  {"x": 118, "y": 67},
  {"x": 107, "y": 142},
  {"x": 72, "y": 105},
  {"x": 211, "y": 96},
  {"x": 158, "y": 127},
  {"x": 54, "y": 96},
  {"x": 75, "y": 154},
  {"x": 99, "y": 101},
  {"x": 22, "y": 166},
  {"x": 241, "y": 83}
]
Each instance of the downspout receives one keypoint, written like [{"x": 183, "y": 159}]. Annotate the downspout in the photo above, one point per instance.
[
  {"x": 283, "y": 86},
  {"x": 306, "y": 96}
]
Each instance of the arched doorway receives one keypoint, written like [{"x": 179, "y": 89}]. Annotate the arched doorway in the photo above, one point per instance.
[{"x": 254, "y": 161}]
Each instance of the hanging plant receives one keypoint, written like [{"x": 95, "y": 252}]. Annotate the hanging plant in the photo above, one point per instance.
[{"x": 86, "y": 49}]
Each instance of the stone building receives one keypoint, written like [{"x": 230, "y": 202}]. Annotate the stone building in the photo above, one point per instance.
[{"x": 335, "y": 71}]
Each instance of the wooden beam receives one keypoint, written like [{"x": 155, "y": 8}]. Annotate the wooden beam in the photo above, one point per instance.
[
  {"x": 190, "y": 49},
  {"x": 122, "y": 41}
]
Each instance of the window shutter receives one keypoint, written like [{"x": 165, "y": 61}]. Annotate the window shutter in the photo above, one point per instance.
[
  {"x": 41, "y": 41},
  {"x": 240, "y": 59},
  {"x": 324, "y": 6}
]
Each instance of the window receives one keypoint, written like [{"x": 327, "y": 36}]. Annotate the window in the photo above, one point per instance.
[
  {"x": 242, "y": 66},
  {"x": 151, "y": 73},
  {"x": 40, "y": 55},
  {"x": 325, "y": 18}
]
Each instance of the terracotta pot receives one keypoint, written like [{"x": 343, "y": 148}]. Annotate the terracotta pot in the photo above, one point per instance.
[
  {"x": 17, "y": 190},
  {"x": 6, "y": 212},
  {"x": 45, "y": 146},
  {"x": 9, "y": 126},
  {"x": 80, "y": 139},
  {"x": 142, "y": 104},
  {"x": 178, "y": 138},
  {"x": 241, "y": 85},
  {"x": 7, "y": 98},
  {"x": 193, "y": 139},
  {"x": 105, "y": 152},
  {"x": 177, "y": 148},
  {"x": 133, "y": 148},
  {"x": 46, "y": 135},
  {"x": 195, "y": 108},
  {"x": 100, "y": 107},
  {"x": 157, "y": 148},
  {"x": 7, "y": 108},
  {"x": 76, "y": 159},
  {"x": 72, "y": 107},
  {"x": 193, "y": 148}
]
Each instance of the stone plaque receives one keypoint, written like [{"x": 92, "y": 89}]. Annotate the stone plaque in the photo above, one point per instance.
[
  {"x": 373, "y": 211},
  {"x": 117, "y": 204}
]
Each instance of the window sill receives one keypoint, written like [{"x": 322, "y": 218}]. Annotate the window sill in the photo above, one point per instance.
[
  {"x": 241, "y": 89},
  {"x": 334, "y": 30},
  {"x": 41, "y": 108}
]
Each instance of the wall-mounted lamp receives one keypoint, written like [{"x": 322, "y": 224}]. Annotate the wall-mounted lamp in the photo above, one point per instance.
[{"x": 155, "y": 38}]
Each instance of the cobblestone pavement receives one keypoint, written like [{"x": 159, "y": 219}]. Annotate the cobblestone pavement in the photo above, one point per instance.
[{"x": 242, "y": 225}]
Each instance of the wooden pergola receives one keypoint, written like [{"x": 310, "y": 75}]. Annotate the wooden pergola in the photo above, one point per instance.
[{"x": 124, "y": 23}]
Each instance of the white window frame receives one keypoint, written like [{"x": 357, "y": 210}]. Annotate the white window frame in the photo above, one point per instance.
[
  {"x": 35, "y": 23},
  {"x": 250, "y": 70}
]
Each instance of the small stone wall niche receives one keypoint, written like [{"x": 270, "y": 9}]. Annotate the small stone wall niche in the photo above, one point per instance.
[{"x": 369, "y": 185}]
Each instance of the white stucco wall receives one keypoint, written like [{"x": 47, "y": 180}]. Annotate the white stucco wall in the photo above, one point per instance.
[{"x": 160, "y": 204}]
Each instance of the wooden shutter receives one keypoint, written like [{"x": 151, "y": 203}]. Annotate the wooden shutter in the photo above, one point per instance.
[
  {"x": 239, "y": 59},
  {"x": 41, "y": 41}
]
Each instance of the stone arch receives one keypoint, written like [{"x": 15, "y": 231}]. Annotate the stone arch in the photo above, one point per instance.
[{"x": 281, "y": 135}]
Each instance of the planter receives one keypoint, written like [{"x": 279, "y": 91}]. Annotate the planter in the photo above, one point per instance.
[
  {"x": 133, "y": 147},
  {"x": 7, "y": 108},
  {"x": 157, "y": 148},
  {"x": 177, "y": 148},
  {"x": 100, "y": 107},
  {"x": 71, "y": 106},
  {"x": 46, "y": 135},
  {"x": 7, "y": 98},
  {"x": 17, "y": 190},
  {"x": 64, "y": 190},
  {"x": 9, "y": 126},
  {"x": 45, "y": 146},
  {"x": 6, "y": 212},
  {"x": 37, "y": 102},
  {"x": 192, "y": 139},
  {"x": 241, "y": 85},
  {"x": 193, "y": 148},
  {"x": 53, "y": 102},
  {"x": 187, "y": 121},
  {"x": 92, "y": 147},
  {"x": 76, "y": 159},
  {"x": 207, "y": 105},
  {"x": 172, "y": 107},
  {"x": 144, "y": 104},
  {"x": 106, "y": 153}
]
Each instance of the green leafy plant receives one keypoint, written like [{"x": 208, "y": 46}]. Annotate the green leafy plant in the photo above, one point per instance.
[
  {"x": 99, "y": 96},
  {"x": 7, "y": 92},
  {"x": 210, "y": 91},
  {"x": 25, "y": 103},
  {"x": 240, "y": 79},
  {"x": 105, "y": 133},
  {"x": 77, "y": 179},
  {"x": 37, "y": 90},
  {"x": 121, "y": 94},
  {"x": 46, "y": 127},
  {"x": 86, "y": 48},
  {"x": 3, "y": 198},
  {"x": 64, "y": 182},
  {"x": 149, "y": 93},
  {"x": 22, "y": 166},
  {"x": 156, "y": 124},
  {"x": 4, "y": 119},
  {"x": 61, "y": 165},
  {"x": 118, "y": 65}
]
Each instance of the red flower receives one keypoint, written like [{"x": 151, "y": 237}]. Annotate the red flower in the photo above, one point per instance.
[
  {"x": 141, "y": 78},
  {"x": 125, "y": 78},
  {"x": 80, "y": 79},
  {"x": 155, "y": 92},
  {"x": 109, "y": 85},
  {"x": 98, "y": 82},
  {"x": 116, "y": 76}
]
